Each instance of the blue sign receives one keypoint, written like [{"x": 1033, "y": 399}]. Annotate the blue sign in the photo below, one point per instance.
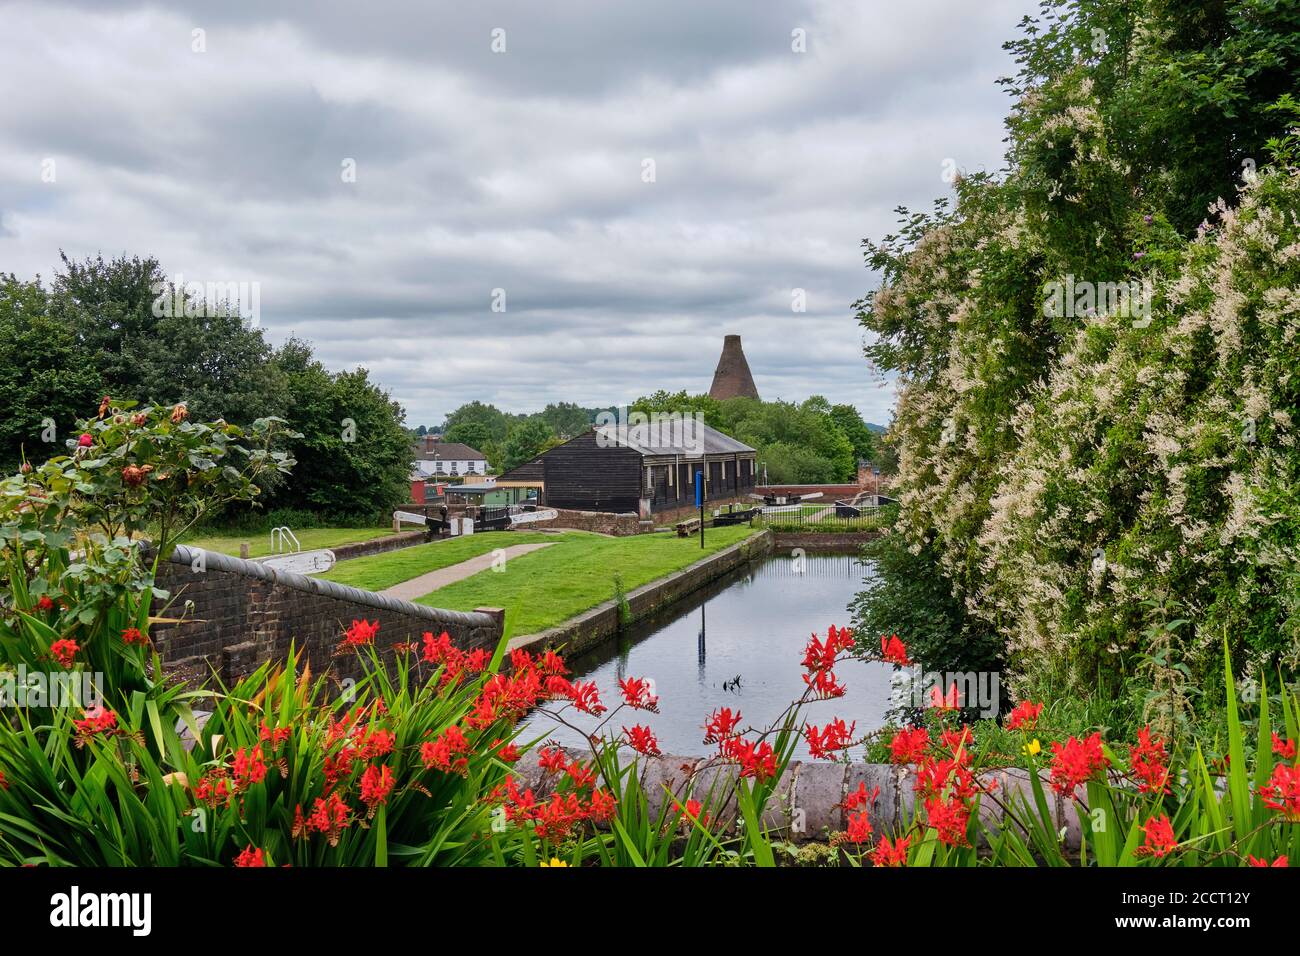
[{"x": 699, "y": 489}]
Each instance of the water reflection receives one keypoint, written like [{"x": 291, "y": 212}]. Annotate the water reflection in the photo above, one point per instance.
[{"x": 749, "y": 629}]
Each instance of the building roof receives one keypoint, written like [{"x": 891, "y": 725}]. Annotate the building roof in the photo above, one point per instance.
[
  {"x": 448, "y": 451},
  {"x": 468, "y": 489},
  {"x": 673, "y": 441}
]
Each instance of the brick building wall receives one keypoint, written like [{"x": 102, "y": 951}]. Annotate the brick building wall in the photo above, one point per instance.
[{"x": 239, "y": 614}]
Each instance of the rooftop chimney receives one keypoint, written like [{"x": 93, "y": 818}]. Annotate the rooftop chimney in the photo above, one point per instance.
[{"x": 732, "y": 378}]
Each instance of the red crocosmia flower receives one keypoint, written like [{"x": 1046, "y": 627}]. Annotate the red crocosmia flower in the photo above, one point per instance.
[
  {"x": 821, "y": 655},
  {"x": 908, "y": 746},
  {"x": 958, "y": 740},
  {"x": 946, "y": 701},
  {"x": 722, "y": 725},
  {"x": 509, "y": 753},
  {"x": 45, "y": 604},
  {"x": 825, "y": 685},
  {"x": 948, "y": 818},
  {"x": 558, "y": 688},
  {"x": 521, "y": 660},
  {"x": 824, "y": 744},
  {"x": 213, "y": 789},
  {"x": 891, "y": 854},
  {"x": 586, "y": 698},
  {"x": 250, "y": 857},
  {"x": 1147, "y": 760},
  {"x": 1280, "y": 861},
  {"x": 642, "y": 740},
  {"x": 339, "y": 766},
  {"x": 249, "y": 768},
  {"x": 1160, "y": 839},
  {"x": 861, "y": 797},
  {"x": 447, "y": 753},
  {"x": 552, "y": 664},
  {"x": 1282, "y": 792},
  {"x": 437, "y": 649},
  {"x": 86, "y": 440},
  {"x": 360, "y": 634},
  {"x": 859, "y": 829},
  {"x": 97, "y": 720},
  {"x": 132, "y": 635},
  {"x": 376, "y": 785},
  {"x": 694, "y": 809},
  {"x": 636, "y": 694},
  {"x": 894, "y": 651},
  {"x": 65, "y": 651},
  {"x": 552, "y": 760},
  {"x": 556, "y": 819},
  {"x": 1075, "y": 762},
  {"x": 477, "y": 660},
  {"x": 374, "y": 743},
  {"x": 602, "y": 805},
  {"x": 4, "y": 784},
  {"x": 581, "y": 775},
  {"x": 757, "y": 761},
  {"x": 274, "y": 736},
  {"x": 935, "y": 778},
  {"x": 1025, "y": 716},
  {"x": 1284, "y": 749},
  {"x": 330, "y": 816}
]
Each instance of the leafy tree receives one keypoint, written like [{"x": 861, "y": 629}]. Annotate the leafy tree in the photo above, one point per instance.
[
  {"x": 152, "y": 342},
  {"x": 566, "y": 419},
  {"x": 525, "y": 441},
  {"x": 44, "y": 375},
  {"x": 354, "y": 456},
  {"x": 856, "y": 431},
  {"x": 494, "y": 423}
]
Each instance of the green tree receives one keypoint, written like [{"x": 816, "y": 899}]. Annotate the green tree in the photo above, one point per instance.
[
  {"x": 525, "y": 441},
  {"x": 494, "y": 422},
  {"x": 45, "y": 376},
  {"x": 354, "y": 455},
  {"x": 856, "y": 431}
]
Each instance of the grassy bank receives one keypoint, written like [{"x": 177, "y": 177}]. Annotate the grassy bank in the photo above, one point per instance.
[
  {"x": 379, "y": 571},
  {"x": 547, "y": 587}
]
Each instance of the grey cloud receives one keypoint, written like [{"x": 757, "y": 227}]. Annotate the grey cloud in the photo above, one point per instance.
[{"x": 520, "y": 171}]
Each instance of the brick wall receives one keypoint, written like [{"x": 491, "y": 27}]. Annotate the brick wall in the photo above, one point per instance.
[{"x": 238, "y": 614}]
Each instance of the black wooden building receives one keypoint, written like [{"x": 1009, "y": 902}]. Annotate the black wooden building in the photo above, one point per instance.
[{"x": 607, "y": 469}]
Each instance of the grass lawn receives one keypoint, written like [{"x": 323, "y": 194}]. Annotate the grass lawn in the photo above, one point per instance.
[
  {"x": 379, "y": 571},
  {"x": 547, "y": 587},
  {"x": 310, "y": 538}
]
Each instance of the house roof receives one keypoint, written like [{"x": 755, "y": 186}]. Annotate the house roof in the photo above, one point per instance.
[
  {"x": 448, "y": 451},
  {"x": 674, "y": 441}
]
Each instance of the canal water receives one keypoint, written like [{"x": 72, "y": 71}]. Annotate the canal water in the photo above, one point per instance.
[{"x": 736, "y": 643}]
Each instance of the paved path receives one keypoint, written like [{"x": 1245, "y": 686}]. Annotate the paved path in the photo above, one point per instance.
[{"x": 419, "y": 587}]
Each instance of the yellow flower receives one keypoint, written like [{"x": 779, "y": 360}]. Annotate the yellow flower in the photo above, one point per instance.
[
  {"x": 1033, "y": 747},
  {"x": 555, "y": 861}
]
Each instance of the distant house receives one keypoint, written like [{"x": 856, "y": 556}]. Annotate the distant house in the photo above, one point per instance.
[
  {"x": 603, "y": 470},
  {"x": 442, "y": 459}
]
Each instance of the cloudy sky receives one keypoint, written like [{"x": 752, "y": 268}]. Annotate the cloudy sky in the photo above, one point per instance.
[{"x": 638, "y": 178}]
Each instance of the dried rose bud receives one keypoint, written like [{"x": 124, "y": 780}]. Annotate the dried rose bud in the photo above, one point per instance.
[
  {"x": 103, "y": 405},
  {"x": 133, "y": 475},
  {"x": 179, "y": 413}
]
